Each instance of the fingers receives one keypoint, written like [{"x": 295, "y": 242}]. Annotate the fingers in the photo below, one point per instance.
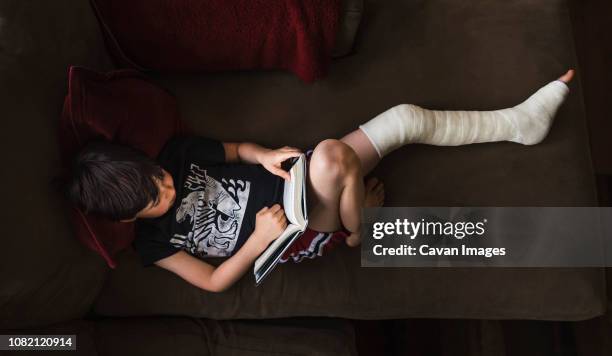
[
  {"x": 280, "y": 156},
  {"x": 280, "y": 217},
  {"x": 275, "y": 208},
  {"x": 282, "y": 173},
  {"x": 290, "y": 153},
  {"x": 279, "y": 212},
  {"x": 290, "y": 148},
  {"x": 276, "y": 212}
]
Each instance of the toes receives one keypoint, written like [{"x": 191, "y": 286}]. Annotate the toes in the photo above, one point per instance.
[
  {"x": 375, "y": 189},
  {"x": 379, "y": 188},
  {"x": 371, "y": 183},
  {"x": 567, "y": 77}
]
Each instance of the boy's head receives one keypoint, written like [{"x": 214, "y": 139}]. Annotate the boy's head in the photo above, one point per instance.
[{"x": 119, "y": 182}]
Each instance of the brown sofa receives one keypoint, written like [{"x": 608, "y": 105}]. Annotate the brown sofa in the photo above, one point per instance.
[{"x": 442, "y": 54}]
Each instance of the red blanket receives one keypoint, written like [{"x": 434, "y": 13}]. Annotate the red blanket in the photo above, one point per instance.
[{"x": 212, "y": 35}]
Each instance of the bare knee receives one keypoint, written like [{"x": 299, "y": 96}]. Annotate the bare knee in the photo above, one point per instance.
[{"x": 335, "y": 159}]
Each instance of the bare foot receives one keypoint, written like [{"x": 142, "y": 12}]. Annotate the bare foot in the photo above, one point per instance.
[
  {"x": 374, "y": 193},
  {"x": 567, "y": 77},
  {"x": 353, "y": 240},
  {"x": 374, "y": 196}
]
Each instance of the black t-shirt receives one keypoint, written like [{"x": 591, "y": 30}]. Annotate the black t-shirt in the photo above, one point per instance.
[{"x": 215, "y": 206}]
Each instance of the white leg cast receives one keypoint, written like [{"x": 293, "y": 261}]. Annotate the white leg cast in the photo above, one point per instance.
[{"x": 527, "y": 123}]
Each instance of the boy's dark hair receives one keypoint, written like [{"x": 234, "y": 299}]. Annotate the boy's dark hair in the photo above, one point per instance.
[{"x": 112, "y": 180}]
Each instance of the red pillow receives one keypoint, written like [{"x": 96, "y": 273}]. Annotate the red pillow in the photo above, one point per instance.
[
  {"x": 213, "y": 35},
  {"x": 120, "y": 106}
]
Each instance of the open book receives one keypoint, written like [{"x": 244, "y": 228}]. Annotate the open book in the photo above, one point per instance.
[{"x": 294, "y": 204}]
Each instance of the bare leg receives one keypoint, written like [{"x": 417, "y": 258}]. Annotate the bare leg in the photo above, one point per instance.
[
  {"x": 335, "y": 187},
  {"x": 374, "y": 196},
  {"x": 351, "y": 203},
  {"x": 336, "y": 191},
  {"x": 364, "y": 149},
  {"x": 358, "y": 195}
]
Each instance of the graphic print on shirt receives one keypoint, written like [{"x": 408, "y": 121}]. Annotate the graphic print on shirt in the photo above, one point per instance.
[{"x": 215, "y": 211}]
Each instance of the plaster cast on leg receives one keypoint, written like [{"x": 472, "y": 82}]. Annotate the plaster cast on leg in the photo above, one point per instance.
[{"x": 527, "y": 123}]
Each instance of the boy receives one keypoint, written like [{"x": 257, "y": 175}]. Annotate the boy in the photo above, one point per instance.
[{"x": 204, "y": 198}]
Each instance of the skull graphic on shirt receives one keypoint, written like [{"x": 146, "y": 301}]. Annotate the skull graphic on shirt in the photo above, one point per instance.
[{"x": 215, "y": 211}]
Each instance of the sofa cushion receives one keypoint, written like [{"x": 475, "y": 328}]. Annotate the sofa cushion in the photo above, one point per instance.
[
  {"x": 440, "y": 54},
  {"x": 120, "y": 106}
]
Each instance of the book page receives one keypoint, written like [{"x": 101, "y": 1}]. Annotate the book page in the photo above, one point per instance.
[
  {"x": 289, "y": 196},
  {"x": 294, "y": 193}
]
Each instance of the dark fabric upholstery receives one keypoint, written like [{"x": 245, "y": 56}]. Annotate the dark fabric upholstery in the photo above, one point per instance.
[
  {"x": 442, "y": 54},
  {"x": 47, "y": 274},
  {"x": 201, "y": 337},
  {"x": 350, "y": 18},
  {"x": 439, "y": 54}
]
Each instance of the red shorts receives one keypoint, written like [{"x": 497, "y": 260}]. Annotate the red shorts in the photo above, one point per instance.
[{"x": 313, "y": 243}]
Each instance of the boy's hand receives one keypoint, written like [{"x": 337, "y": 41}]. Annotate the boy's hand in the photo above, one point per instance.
[
  {"x": 272, "y": 159},
  {"x": 269, "y": 224}
]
